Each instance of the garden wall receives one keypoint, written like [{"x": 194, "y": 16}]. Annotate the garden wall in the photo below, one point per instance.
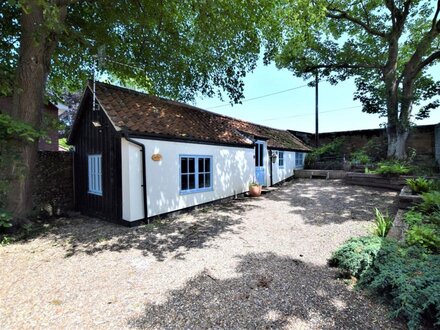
[
  {"x": 421, "y": 138},
  {"x": 53, "y": 183}
]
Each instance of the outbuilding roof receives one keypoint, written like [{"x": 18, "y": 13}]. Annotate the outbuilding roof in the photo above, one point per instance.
[{"x": 144, "y": 114}]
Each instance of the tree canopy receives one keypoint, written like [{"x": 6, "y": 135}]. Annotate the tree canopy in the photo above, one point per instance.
[
  {"x": 387, "y": 45},
  {"x": 170, "y": 48}
]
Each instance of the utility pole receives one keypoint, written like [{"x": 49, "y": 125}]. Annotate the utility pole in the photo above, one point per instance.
[{"x": 316, "y": 110}]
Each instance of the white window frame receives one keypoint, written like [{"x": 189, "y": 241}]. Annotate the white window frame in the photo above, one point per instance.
[
  {"x": 281, "y": 153},
  {"x": 299, "y": 161},
  {"x": 196, "y": 174},
  {"x": 94, "y": 170}
]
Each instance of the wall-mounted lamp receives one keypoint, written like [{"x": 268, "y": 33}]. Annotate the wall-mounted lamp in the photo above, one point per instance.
[{"x": 273, "y": 157}]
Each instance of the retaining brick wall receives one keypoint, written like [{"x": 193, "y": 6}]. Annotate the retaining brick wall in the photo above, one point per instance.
[{"x": 53, "y": 182}]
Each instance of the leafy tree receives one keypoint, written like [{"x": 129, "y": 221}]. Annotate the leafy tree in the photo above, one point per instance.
[
  {"x": 172, "y": 48},
  {"x": 72, "y": 101},
  {"x": 387, "y": 45}
]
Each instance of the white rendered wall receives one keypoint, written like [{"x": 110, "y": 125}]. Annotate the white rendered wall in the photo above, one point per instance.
[
  {"x": 233, "y": 170},
  {"x": 132, "y": 191},
  {"x": 282, "y": 173}
]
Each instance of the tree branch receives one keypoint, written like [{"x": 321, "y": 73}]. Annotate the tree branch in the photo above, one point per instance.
[
  {"x": 341, "y": 66},
  {"x": 431, "y": 58},
  {"x": 344, "y": 15},
  {"x": 392, "y": 8},
  {"x": 434, "y": 20}
]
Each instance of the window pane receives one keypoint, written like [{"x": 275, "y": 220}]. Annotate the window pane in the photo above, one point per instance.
[
  {"x": 184, "y": 182},
  {"x": 261, "y": 154},
  {"x": 191, "y": 165},
  {"x": 95, "y": 170},
  {"x": 184, "y": 164},
  {"x": 207, "y": 164},
  {"x": 257, "y": 157},
  {"x": 192, "y": 181},
  {"x": 201, "y": 165},
  {"x": 207, "y": 180},
  {"x": 201, "y": 181}
]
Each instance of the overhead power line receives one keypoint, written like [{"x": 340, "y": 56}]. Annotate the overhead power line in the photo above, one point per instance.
[
  {"x": 311, "y": 114},
  {"x": 258, "y": 97}
]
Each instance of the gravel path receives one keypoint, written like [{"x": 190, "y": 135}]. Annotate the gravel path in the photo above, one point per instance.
[{"x": 251, "y": 263}]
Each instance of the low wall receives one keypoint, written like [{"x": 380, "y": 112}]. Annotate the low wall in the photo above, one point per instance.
[
  {"x": 375, "y": 180},
  {"x": 327, "y": 174},
  {"x": 53, "y": 183},
  {"x": 354, "y": 178}
]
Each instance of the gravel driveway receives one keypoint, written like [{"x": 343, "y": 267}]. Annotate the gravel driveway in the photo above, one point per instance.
[{"x": 250, "y": 263}]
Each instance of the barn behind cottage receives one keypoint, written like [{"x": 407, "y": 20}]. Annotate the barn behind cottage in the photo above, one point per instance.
[{"x": 138, "y": 156}]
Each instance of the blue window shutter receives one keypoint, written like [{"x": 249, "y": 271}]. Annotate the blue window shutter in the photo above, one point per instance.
[{"x": 95, "y": 174}]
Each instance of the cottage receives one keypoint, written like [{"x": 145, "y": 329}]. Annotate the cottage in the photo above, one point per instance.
[{"x": 138, "y": 156}]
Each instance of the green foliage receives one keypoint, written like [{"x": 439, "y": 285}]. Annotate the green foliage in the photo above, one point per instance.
[
  {"x": 11, "y": 131},
  {"x": 63, "y": 143},
  {"x": 382, "y": 223},
  {"x": 357, "y": 254},
  {"x": 427, "y": 236},
  {"x": 360, "y": 157},
  {"x": 14, "y": 129},
  {"x": 331, "y": 149},
  {"x": 430, "y": 202},
  {"x": 410, "y": 278},
  {"x": 392, "y": 169},
  {"x": 413, "y": 218},
  {"x": 419, "y": 185},
  {"x": 176, "y": 49},
  {"x": 376, "y": 148},
  {"x": 5, "y": 219}
]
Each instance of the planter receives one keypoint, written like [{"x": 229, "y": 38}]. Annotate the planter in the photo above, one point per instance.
[
  {"x": 408, "y": 199},
  {"x": 376, "y": 180},
  {"x": 255, "y": 191}
]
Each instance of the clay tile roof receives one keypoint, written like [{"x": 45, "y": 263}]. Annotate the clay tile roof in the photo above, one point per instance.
[{"x": 145, "y": 114}]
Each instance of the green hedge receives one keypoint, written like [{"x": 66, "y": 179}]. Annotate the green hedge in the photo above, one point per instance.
[{"x": 408, "y": 276}]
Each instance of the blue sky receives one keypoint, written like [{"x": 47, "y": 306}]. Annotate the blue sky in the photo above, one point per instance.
[{"x": 296, "y": 109}]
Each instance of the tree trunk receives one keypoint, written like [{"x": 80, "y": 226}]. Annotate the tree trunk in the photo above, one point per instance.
[
  {"x": 36, "y": 48},
  {"x": 397, "y": 143}
]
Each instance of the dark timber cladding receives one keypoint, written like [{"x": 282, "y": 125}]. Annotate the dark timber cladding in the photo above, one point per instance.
[{"x": 102, "y": 140}]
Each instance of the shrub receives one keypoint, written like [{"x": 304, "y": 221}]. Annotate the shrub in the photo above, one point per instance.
[
  {"x": 433, "y": 218},
  {"x": 410, "y": 278},
  {"x": 331, "y": 149},
  {"x": 419, "y": 185},
  {"x": 426, "y": 235},
  {"x": 392, "y": 168},
  {"x": 376, "y": 148},
  {"x": 5, "y": 219},
  {"x": 382, "y": 223},
  {"x": 413, "y": 218},
  {"x": 430, "y": 202},
  {"x": 357, "y": 254},
  {"x": 360, "y": 157}
]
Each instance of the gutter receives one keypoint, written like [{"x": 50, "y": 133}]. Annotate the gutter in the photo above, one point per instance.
[{"x": 144, "y": 175}]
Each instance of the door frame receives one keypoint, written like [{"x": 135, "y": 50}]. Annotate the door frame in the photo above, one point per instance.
[{"x": 260, "y": 154}]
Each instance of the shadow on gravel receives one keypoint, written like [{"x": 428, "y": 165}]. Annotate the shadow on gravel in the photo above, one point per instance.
[
  {"x": 270, "y": 292},
  {"x": 90, "y": 236},
  {"x": 322, "y": 202}
]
